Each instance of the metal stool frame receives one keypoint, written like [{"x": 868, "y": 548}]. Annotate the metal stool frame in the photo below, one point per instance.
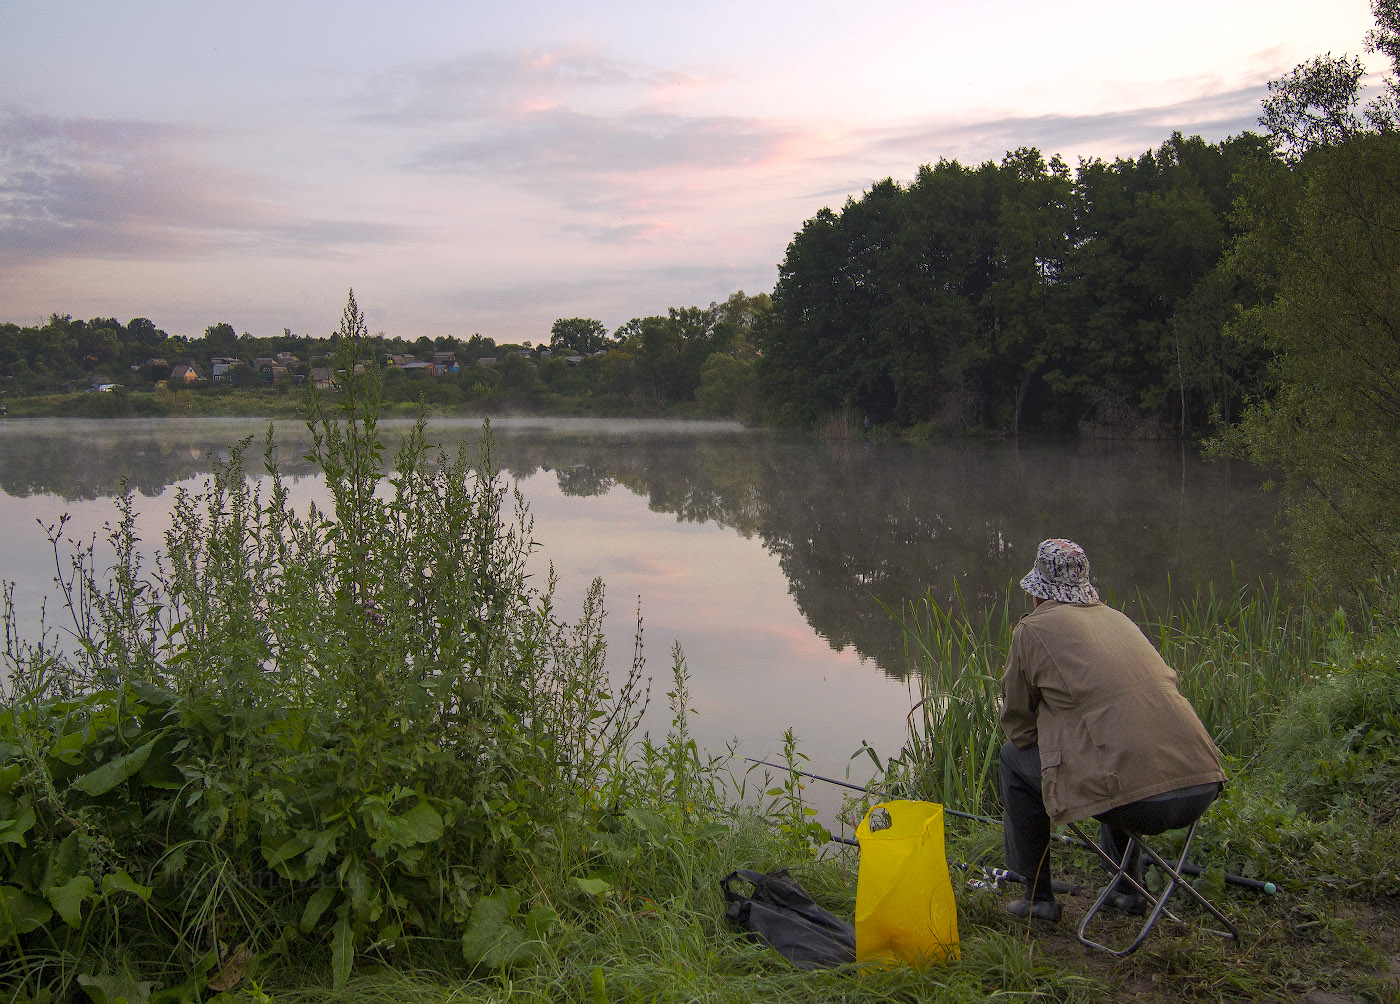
[{"x": 1158, "y": 903}]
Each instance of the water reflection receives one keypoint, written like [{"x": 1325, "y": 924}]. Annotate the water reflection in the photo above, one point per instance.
[{"x": 854, "y": 527}]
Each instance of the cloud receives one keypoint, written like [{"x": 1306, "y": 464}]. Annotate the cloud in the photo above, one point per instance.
[
  {"x": 559, "y": 142},
  {"x": 627, "y": 233},
  {"x": 613, "y": 294},
  {"x": 114, "y": 189},
  {"x": 1124, "y": 132},
  {"x": 485, "y": 85},
  {"x": 591, "y": 136}
]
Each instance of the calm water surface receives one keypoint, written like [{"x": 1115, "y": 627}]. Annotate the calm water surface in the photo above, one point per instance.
[{"x": 769, "y": 558}]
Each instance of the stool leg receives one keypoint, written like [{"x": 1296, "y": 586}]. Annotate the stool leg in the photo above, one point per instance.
[
  {"x": 1176, "y": 879},
  {"x": 1159, "y": 903}
]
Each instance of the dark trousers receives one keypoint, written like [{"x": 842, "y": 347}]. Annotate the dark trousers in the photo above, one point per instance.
[{"x": 1027, "y": 826}]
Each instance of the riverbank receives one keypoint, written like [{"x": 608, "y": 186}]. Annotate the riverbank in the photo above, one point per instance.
[
  {"x": 1311, "y": 810},
  {"x": 276, "y": 402},
  {"x": 361, "y": 750}
]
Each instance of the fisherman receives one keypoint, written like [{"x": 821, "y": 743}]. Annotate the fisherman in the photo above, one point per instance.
[{"x": 1096, "y": 727}]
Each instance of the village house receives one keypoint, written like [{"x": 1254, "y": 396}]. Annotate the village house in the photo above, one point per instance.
[
  {"x": 186, "y": 372},
  {"x": 221, "y": 367},
  {"x": 271, "y": 372}
]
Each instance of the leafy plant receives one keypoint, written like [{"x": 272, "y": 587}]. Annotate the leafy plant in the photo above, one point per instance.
[{"x": 359, "y": 729}]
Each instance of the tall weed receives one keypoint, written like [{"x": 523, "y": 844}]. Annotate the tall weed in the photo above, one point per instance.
[{"x": 357, "y": 730}]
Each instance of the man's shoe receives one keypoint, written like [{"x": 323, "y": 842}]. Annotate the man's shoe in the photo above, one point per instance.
[
  {"x": 1043, "y": 911},
  {"x": 1127, "y": 902}
]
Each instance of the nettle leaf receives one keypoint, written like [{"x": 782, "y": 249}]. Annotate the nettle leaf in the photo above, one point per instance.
[
  {"x": 647, "y": 820},
  {"x": 20, "y": 912},
  {"x": 12, "y": 830},
  {"x": 112, "y": 773},
  {"x": 489, "y": 930},
  {"x": 68, "y": 898},
  {"x": 114, "y": 988},
  {"x": 421, "y": 824},
  {"x": 289, "y": 848},
  {"x": 69, "y": 748},
  {"x": 592, "y": 886},
  {"x": 66, "y": 862},
  {"x": 120, "y": 881}
]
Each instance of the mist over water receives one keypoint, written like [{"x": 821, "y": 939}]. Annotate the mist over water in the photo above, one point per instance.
[{"x": 770, "y": 558}]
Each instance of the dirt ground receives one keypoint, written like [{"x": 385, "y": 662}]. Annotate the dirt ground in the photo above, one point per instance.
[{"x": 1292, "y": 948}]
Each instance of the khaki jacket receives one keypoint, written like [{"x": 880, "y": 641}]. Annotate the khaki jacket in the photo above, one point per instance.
[{"x": 1086, "y": 685}]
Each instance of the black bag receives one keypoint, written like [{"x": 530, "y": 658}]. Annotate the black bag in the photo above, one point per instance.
[{"x": 780, "y": 912}]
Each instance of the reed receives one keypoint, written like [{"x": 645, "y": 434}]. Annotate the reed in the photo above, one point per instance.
[
  {"x": 1242, "y": 653},
  {"x": 954, "y": 655}
]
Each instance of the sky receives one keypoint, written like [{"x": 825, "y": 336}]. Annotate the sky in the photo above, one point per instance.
[{"x": 487, "y": 167}]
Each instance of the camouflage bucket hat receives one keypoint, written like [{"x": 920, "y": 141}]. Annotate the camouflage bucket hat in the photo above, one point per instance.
[{"x": 1061, "y": 573}]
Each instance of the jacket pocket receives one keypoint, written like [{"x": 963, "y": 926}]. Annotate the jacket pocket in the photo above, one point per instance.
[{"x": 1051, "y": 787}]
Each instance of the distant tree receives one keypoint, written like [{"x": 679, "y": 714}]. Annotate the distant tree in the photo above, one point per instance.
[
  {"x": 476, "y": 347},
  {"x": 220, "y": 340},
  {"x": 628, "y": 329},
  {"x": 582, "y": 334},
  {"x": 518, "y": 375},
  {"x": 144, "y": 333},
  {"x": 728, "y": 387}
]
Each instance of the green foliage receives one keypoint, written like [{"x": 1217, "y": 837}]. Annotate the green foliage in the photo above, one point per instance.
[
  {"x": 352, "y": 731},
  {"x": 1336, "y": 744},
  {"x": 578, "y": 334},
  {"x": 1324, "y": 239},
  {"x": 728, "y": 387},
  {"x": 1018, "y": 295}
]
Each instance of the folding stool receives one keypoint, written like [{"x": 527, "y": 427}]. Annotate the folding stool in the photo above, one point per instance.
[{"x": 1157, "y": 905}]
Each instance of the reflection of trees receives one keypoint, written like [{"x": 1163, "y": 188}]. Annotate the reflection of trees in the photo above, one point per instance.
[
  {"x": 855, "y": 528},
  {"x": 89, "y": 460},
  {"x": 582, "y": 481},
  {"x": 852, "y": 527}
]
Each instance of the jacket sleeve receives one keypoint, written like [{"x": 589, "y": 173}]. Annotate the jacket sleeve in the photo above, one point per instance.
[{"x": 1019, "y": 698}]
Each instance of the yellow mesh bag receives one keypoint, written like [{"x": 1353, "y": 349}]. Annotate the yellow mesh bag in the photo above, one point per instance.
[{"x": 904, "y": 899}]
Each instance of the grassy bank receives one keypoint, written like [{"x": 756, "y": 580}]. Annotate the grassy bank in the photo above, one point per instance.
[
  {"x": 359, "y": 754},
  {"x": 224, "y": 401}
]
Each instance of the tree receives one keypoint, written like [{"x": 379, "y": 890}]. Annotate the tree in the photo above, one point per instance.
[
  {"x": 1326, "y": 241},
  {"x": 1315, "y": 104},
  {"x": 728, "y": 387},
  {"x": 581, "y": 334},
  {"x": 1384, "y": 111},
  {"x": 220, "y": 340}
]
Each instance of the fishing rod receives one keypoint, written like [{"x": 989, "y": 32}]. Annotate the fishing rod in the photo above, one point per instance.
[{"x": 1268, "y": 888}]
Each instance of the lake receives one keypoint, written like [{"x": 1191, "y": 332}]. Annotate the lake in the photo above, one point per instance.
[{"x": 770, "y": 558}]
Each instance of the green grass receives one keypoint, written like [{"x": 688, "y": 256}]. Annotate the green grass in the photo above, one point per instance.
[{"x": 358, "y": 755}]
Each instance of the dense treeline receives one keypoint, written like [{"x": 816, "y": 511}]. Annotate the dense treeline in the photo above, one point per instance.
[
  {"x": 1022, "y": 295},
  {"x": 700, "y": 358}
]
